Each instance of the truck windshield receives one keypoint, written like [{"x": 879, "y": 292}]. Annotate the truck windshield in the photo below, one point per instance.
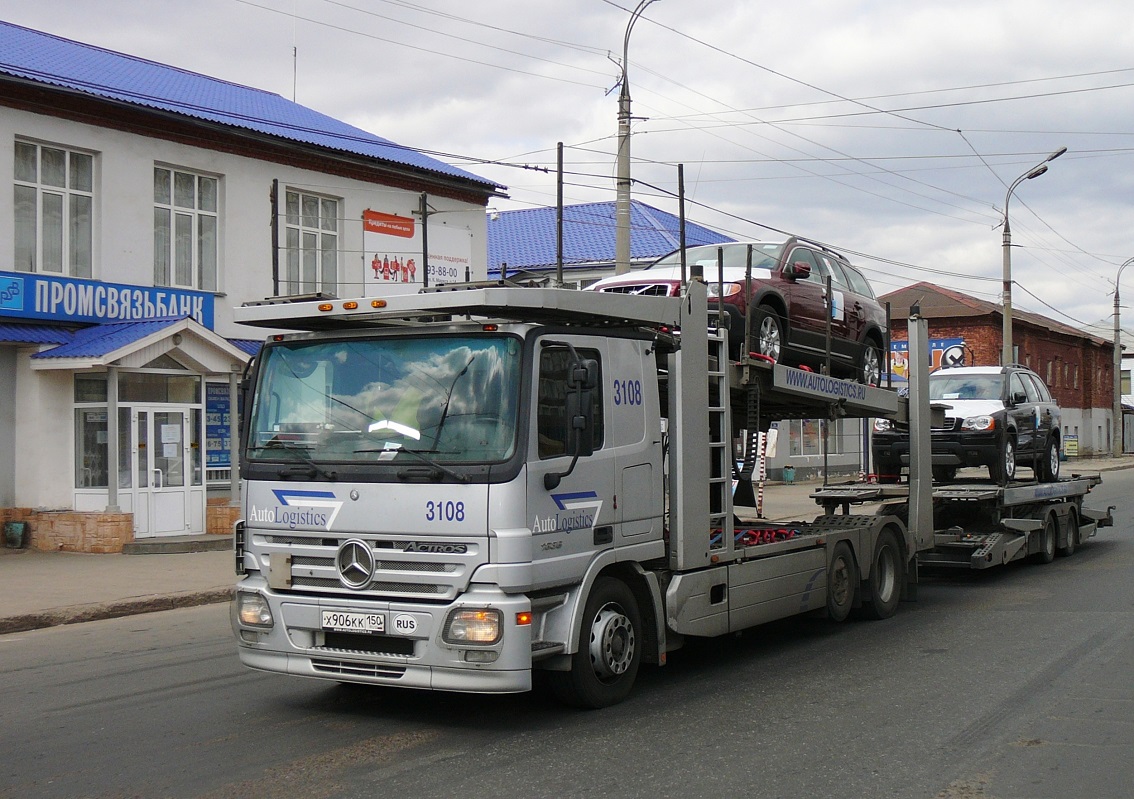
[{"x": 445, "y": 399}]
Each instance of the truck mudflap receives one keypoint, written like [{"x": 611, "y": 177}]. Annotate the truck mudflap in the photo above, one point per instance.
[{"x": 407, "y": 644}]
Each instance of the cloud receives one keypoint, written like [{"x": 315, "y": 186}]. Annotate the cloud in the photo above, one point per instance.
[{"x": 776, "y": 111}]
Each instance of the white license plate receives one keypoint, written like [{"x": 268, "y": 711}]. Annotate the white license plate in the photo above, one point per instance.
[{"x": 354, "y": 622}]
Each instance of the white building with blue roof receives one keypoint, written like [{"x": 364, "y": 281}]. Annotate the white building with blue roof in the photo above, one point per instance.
[
  {"x": 522, "y": 243},
  {"x": 146, "y": 202}
]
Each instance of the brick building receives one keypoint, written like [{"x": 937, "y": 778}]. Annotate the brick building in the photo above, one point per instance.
[{"x": 1077, "y": 367}]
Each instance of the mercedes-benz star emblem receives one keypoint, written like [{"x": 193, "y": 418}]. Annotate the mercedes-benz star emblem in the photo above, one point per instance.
[{"x": 355, "y": 561}]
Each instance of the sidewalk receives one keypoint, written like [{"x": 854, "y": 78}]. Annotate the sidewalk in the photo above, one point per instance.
[{"x": 43, "y": 589}]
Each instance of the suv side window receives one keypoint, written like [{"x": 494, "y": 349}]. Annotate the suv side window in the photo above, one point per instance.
[
  {"x": 838, "y": 276},
  {"x": 551, "y": 414},
  {"x": 857, "y": 281},
  {"x": 1041, "y": 392},
  {"x": 1016, "y": 386}
]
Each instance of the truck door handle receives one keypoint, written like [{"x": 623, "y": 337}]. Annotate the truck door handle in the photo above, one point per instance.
[{"x": 604, "y": 534}]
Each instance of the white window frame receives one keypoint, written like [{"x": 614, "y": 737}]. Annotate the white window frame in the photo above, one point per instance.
[
  {"x": 311, "y": 242},
  {"x": 187, "y": 231},
  {"x": 68, "y": 249}
]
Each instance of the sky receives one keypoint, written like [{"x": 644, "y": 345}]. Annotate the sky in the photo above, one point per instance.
[{"x": 889, "y": 131}]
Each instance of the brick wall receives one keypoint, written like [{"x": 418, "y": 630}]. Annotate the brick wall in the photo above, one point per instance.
[
  {"x": 103, "y": 533},
  {"x": 1078, "y": 371},
  {"x": 73, "y": 531}
]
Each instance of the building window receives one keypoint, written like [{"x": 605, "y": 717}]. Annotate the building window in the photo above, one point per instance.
[
  {"x": 312, "y": 243},
  {"x": 185, "y": 229},
  {"x": 54, "y": 208},
  {"x": 805, "y": 437}
]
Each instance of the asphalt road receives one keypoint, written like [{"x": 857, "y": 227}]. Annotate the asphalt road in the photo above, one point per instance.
[{"x": 1003, "y": 685}]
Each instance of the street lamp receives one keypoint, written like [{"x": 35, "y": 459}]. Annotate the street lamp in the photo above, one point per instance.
[
  {"x": 622, "y": 183},
  {"x": 1034, "y": 172},
  {"x": 1116, "y": 422}
]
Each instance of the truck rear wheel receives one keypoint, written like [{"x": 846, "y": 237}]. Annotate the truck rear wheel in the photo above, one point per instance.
[
  {"x": 604, "y": 667},
  {"x": 887, "y": 573},
  {"x": 1072, "y": 527},
  {"x": 1046, "y": 553},
  {"x": 842, "y": 579}
]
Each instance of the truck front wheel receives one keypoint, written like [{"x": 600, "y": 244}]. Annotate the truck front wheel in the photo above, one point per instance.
[{"x": 604, "y": 667}]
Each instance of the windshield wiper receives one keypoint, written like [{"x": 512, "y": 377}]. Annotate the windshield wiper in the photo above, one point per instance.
[
  {"x": 423, "y": 456},
  {"x": 312, "y": 468},
  {"x": 449, "y": 398}
]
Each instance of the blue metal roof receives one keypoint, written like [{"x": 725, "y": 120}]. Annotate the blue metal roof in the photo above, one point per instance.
[
  {"x": 35, "y": 334},
  {"x": 99, "y": 340},
  {"x": 247, "y": 345},
  {"x": 525, "y": 239},
  {"x": 49, "y": 59}
]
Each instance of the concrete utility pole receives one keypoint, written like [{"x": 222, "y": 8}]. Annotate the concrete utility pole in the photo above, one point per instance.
[
  {"x": 1006, "y": 357},
  {"x": 622, "y": 182},
  {"x": 1116, "y": 421}
]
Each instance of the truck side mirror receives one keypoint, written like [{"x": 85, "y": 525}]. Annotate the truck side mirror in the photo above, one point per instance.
[
  {"x": 1019, "y": 398},
  {"x": 580, "y": 422}
]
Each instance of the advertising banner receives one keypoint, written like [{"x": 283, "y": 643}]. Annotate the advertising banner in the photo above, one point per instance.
[
  {"x": 217, "y": 441},
  {"x": 393, "y": 247},
  {"x": 32, "y": 295},
  {"x": 943, "y": 353}
]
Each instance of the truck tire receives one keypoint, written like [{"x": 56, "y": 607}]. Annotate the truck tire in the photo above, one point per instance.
[
  {"x": 1046, "y": 553},
  {"x": 887, "y": 574},
  {"x": 842, "y": 580},
  {"x": 1072, "y": 528},
  {"x": 604, "y": 667}
]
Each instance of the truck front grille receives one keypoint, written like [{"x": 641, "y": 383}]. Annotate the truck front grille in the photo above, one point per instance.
[
  {"x": 346, "y": 668},
  {"x": 433, "y": 576}
]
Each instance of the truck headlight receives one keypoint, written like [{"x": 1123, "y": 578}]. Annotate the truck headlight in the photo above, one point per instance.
[
  {"x": 252, "y": 610},
  {"x": 883, "y": 425},
  {"x": 981, "y": 423},
  {"x": 468, "y": 626}
]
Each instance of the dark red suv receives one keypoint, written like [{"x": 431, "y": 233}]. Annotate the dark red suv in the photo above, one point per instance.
[{"x": 789, "y": 302}]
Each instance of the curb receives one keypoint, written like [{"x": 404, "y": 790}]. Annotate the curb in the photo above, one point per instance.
[{"x": 111, "y": 610}]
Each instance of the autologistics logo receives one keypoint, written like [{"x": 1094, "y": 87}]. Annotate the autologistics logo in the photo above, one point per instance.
[
  {"x": 578, "y": 510},
  {"x": 299, "y": 509}
]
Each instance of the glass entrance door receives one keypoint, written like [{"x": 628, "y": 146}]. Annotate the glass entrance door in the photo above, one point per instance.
[{"x": 161, "y": 454}]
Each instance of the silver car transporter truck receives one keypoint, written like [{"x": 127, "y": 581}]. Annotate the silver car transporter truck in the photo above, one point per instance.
[{"x": 454, "y": 489}]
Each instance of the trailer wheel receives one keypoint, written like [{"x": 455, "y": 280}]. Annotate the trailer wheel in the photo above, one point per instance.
[
  {"x": 1046, "y": 552},
  {"x": 842, "y": 578},
  {"x": 1072, "y": 526},
  {"x": 604, "y": 667},
  {"x": 887, "y": 573}
]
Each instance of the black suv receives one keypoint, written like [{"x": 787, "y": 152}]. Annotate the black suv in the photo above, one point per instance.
[{"x": 997, "y": 416}]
